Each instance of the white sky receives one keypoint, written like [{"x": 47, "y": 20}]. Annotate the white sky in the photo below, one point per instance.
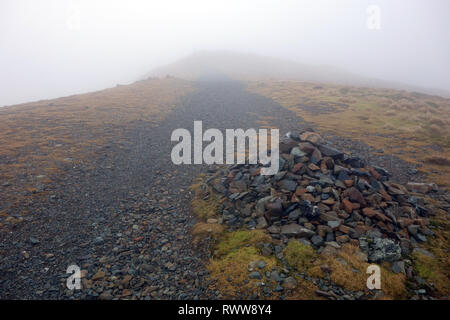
[{"x": 54, "y": 48}]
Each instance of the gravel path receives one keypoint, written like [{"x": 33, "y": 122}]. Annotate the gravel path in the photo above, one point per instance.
[{"x": 125, "y": 221}]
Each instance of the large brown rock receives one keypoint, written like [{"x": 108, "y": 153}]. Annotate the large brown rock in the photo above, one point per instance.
[
  {"x": 355, "y": 195},
  {"x": 312, "y": 137}
]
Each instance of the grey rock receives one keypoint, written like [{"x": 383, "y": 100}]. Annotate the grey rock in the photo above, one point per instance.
[
  {"x": 274, "y": 229},
  {"x": 317, "y": 240},
  {"x": 274, "y": 275},
  {"x": 413, "y": 229},
  {"x": 261, "y": 264},
  {"x": 328, "y": 151},
  {"x": 98, "y": 240},
  {"x": 288, "y": 185},
  {"x": 295, "y": 230},
  {"x": 334, "y": 224},
  {"x": 33, "y": 241},
  {"x": 262, "y": 223},
  {"x": 255, "y": 275},
  {"x": 383, "y": 250},
  {"x": 420, "y": 237},
  {"x": 296, "y": 152},
  {"x": 289, "y": 283},
  {"x": 294, "y": 214},
  {"x": 398, "y": 266},
  {"x": 278, "y": 288}
]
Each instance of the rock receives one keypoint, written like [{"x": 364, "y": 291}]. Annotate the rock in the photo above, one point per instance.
[
  {"x": 220, "y": 188},
  {"x": 355, "y": 196},
  {"x": 255, "y": 275},
  {"x": 295, "y": 230},
  {"x": 306, "y": 147},
  {"x": 266, "y": 250},
  {"x": 106, "y": 296},
  {"x": 126, "y": 293},
  {"x": 296, "y": 152},
  {"x": 274, "y": 275},
  {"x": 262, "y": 223},
  {"x": 312, "y": 137},
  {"x": 98, "y": 240},
  {"x": 278, "y": 288},
  {"x": 328, "y": 151},
  {"x": 342, "y": 239},
  {"x": 384, "y": 250},
  {"x": 329, "y": 251},
  {"x": 99, "y": 275},
  {"x": 413, "y": 229},
  {"x": 288, "y": 185},
  {"x": 294, "y": 214},
  {"x": 317, "y": 240},
  {"x": 398, "y": 266},
  {"x": 286, "y": 144},
  {"x": 289, "y": 283},
  {"x": 369, "y": 212},
  {"x": 273, "y": 209},
  {"x": 405, "y": 245},
  {"x": 420, "y": 237},
  {"x": 348, "y": 206},
  {"x": 328, "y": 216},
  {"x": 274, "y": 229},
  {"x": 334, "y": 224},
  {"x": 316, "y": 156},
  {"x": 326, "y": 198},
  {"x": 261, "y": 264},
  {"x": 33, "y": 241}
]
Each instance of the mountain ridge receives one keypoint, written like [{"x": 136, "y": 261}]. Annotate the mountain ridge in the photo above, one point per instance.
[{"x": 249, "y": 66}]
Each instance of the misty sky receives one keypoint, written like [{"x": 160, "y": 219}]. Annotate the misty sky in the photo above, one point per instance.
[{"x": 55, "y": 48}]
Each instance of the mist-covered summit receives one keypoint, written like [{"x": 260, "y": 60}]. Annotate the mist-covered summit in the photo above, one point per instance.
[{"x": 248, "y": 66}]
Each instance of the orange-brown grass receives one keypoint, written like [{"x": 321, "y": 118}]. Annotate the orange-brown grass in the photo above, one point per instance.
[
  {"x": 205, "y": 205},
  {"x": 436, "y": 269},
  {"x": 38, "y": 138},
  {"x": 202, "y": 230},
  {"x": 399, "y": 122},
  {"x": 232, "y": 256},
  {"x": 306, "y": 290},
  {"x": 233, "y": 251},
  {"x": 348, "y": 269}
]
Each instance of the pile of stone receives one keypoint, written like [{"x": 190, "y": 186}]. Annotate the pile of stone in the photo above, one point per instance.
[{"x": 325, "y": 197}]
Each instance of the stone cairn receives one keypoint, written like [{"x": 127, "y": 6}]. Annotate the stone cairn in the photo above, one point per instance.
[{"x": 324, "y": 198}]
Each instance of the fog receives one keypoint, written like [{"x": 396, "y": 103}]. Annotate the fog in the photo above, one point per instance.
[{"x": 55, "y": 48}]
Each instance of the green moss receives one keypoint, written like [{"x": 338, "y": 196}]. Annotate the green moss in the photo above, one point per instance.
[
  {"x": 238, "y": 239},
  {"x": 425, "y": 266},
  {"x": 299, "y": 255}
]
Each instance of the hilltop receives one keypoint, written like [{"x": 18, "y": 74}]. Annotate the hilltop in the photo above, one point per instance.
[{"x": 248, "y": 66}]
